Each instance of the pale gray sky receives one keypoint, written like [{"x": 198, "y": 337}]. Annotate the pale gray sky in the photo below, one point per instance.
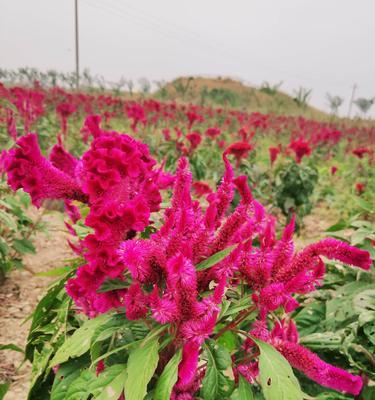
[{"x": 326, "y": 45}]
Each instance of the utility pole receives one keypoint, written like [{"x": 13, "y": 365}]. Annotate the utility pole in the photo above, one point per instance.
[
  {"x": 77, "y": 43},
  {"x": 352, "y": 99}
]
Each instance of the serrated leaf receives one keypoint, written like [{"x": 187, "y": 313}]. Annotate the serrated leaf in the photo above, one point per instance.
[
  {"x": 168, "y": 378},
  {"x": 215, "y": 258},
  {"x": 142, "y": 364},
  {"x": 79, "y": 342},
  {"x": 276, "y": 375}
]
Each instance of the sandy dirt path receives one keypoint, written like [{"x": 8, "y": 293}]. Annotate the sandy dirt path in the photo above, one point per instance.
[{"x": 18, "y": 297}]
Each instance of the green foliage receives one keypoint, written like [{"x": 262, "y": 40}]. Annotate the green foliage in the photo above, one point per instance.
[
  {"x": 168, "y": 378},
  {"x": 295, "y": 184},
  {"x": 215, "y": 384},
  {"x": 338, "y": 321},
  {"x": 142, "y": 363},
  {"x": 276, "y": 375},
  {"x": 16, "y": 230}
]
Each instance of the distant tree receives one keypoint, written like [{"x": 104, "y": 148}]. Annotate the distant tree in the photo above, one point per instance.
[
  {"x": 302, "y": 96},
  {"x": 118, "y": 86},
  {"x": 144, "y": 85},
  {"x": 130, "y": 84},
  {"x": 52, "y": 77},
  {"x": 181, "y": 87},
  {"x": 364, "y": 104},
  {"x": 4, "y": 74},
  {"x": 162, "y": 89},
  {"x": 87, "y": 79},
  {"x": 101, "y": 82},
  {"x": 334, "y": 102},
  {"x": 267, "y": 88}
]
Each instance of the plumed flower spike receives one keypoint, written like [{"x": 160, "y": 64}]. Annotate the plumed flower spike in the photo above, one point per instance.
[
  {"x": 318, "y": 370},
  {"x": 28, "y": 169},
  {"x": 332, "y": 249}
]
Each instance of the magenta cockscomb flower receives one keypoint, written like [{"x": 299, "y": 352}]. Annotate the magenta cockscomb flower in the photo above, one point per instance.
[
  {"x": 301, "y": 149},
  {"x": 28, "y": 169},
  {"x": 274, "y": 152}
]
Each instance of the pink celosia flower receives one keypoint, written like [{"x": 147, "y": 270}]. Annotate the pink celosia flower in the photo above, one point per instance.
[
  {"x": 239, "y": 150},
  {"x": 361, "y": 151},
  {"x": 27, "y": 168},
  {"x": 201, "y": 188},
  {"x": 360, "y": 187},
  {"x": 195, "y": 139},
  {"x": 213, "y": 132},
  {"x": 318, "y": 370},
  {"x": 274, "y": 152},
  {"x": 333, "y": 170},
  {"x": 301, "y": 148}
]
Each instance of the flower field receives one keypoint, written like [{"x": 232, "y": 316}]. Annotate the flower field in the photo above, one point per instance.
[{"x": 211, "y": 252}]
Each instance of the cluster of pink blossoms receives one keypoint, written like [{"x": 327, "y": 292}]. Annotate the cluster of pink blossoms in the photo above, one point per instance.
[{"x": 117, "y": 178}]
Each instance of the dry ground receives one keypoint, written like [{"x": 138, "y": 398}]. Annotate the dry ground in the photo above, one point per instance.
[{"x": 18, "y": 297}]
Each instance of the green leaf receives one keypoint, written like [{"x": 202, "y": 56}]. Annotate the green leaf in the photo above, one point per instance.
[
  {"x": 8, "y": 220},
  {"x": 40, "y": 364},
  {"x": 24, "y": 246},
  {"x": 338, "y": 226},
  {"x": 112, "y": 284},
  {"x": 65, "y": 376},
  {"x": 215, "y": 385},
  {"x": 81, "y": 230},
  {"x": 168, "y": 378},
  {"x": 4, "y": 387},
  {"x": 142, "y": 363},
  {"x": 79, "y": 389},
  {"x": 229, "y": 340},
  {"x": 110, "y": 383},
  {"x": 244, "y": 390},
  {"x": 323, "y": 341},
  {"x": 55, "y": 271},
  {"x": 364, "y": 205},
  {"x": 105, "y": 331},
  {"x": 48, "y": 302},
  {"x": 276, "y": 375},
  {"x": 237, "y": 306},
  {"x": 309, "y": 319},
  {"x": 215, "y": 258},
  {"x": 11, "y": 346},
  {"x": 79, "y": 342},
  {"x": 4, "y": 248},
  {"x": 365, "y": 301}
]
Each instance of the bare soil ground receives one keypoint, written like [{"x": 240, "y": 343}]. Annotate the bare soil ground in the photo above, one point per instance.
[{"x": 18, "y": 297}]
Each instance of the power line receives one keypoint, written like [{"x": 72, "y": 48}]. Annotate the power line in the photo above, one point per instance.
[{"x": 77, "y": 42}]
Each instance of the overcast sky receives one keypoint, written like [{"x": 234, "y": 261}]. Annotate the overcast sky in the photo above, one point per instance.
[{"x": 325, "y": 45}]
